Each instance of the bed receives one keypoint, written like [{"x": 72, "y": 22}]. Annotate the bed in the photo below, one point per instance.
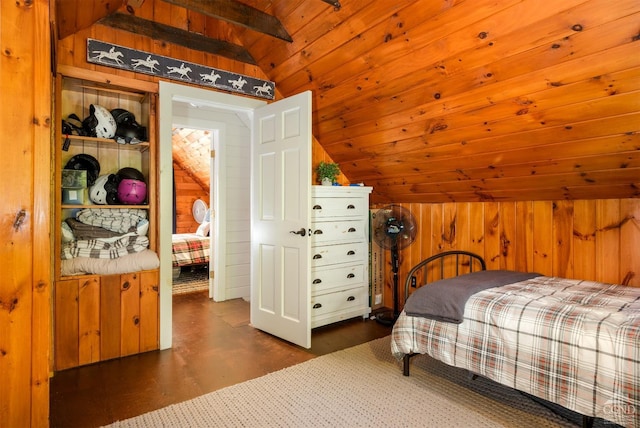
[
  {"x": 189, "y": 249},
  {"x": 570, "y": 342}
]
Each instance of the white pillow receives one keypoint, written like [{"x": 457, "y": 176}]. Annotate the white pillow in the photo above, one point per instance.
[
  {"x": 67, "y": 233},
  {"x": 142, "y": 228},
  {"x": 203, "y": 229}
]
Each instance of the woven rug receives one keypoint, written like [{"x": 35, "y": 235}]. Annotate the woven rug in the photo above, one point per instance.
[
  {"x": 361, "y": 386},
  {"x": 191, "y": 280}
]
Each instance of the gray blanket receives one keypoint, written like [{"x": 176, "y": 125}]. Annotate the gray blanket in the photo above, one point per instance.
[{"x": 444, "y": 300}]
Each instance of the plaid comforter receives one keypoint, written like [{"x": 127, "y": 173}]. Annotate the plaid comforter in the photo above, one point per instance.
[
  {"x": 189, "y": 249},
  {"x": 574, "y": 343}
]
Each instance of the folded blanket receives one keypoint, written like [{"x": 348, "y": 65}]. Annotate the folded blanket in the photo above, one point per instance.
[
  {"x": 144, "y": 260},
  {"x": 444, "y": 300},
  {"x": 83, "y": 231},
  {"x": 121, "y": 220},
  {"x": 106, "y": 249}
]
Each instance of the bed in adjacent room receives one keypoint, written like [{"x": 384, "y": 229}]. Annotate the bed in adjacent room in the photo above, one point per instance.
[
  {"x": 571, "y": 342},
  {"x": 189, "y": 249},
  {"x": 192, "y": 249}
]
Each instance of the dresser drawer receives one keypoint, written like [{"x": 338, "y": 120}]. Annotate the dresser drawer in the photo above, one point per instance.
[
  {"x": 336, "y": 231},
  {"x": 348, "y": 206},
  {"x": 347, "y": 300},
  {"x": 339, "y": 253},
  {"x": 326, "y": 278}
]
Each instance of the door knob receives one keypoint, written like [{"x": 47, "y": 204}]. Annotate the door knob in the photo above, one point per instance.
[{"x": 301, "y": 232}]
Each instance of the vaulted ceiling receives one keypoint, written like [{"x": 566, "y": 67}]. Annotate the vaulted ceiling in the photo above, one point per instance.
[{"x": 434, "y": 100}]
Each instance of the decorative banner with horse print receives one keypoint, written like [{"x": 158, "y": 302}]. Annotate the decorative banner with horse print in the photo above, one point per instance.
[{"x": 115, "y": 56}]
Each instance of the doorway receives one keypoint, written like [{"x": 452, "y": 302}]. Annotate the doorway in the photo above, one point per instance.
[
  {"x": 231, "y": 116},
  {"x": 194, "y": 180}
]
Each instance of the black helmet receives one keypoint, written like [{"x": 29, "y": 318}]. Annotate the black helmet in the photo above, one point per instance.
[
  {"x": 128, "y": 130},
  {"x": 105, "y": 190},
  {"x": 130, "y": 173},
  {"x": 85, "y": 162},
  {"x": 122, "y": 116},
  {"x": 72, "y": 125}
]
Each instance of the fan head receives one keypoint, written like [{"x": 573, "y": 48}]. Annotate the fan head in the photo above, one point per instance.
[{"x": 394, "y": 225}]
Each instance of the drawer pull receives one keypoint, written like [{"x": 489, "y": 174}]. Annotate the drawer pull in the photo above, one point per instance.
[
  {"x": 351, "y": 229},
  {"x": 317, "y": 306},
  {"x": 317, "y": 207},
  {"x": 317, "y": 281},
  {"x": 350, "y": 253},
  {"x": 351, "y": 276},
  {"x": 351, "y": 207},
  {"x": 317, "y": 232},
  {"x": 350, "y": 299},
  {"x": 317, "y": 256}
]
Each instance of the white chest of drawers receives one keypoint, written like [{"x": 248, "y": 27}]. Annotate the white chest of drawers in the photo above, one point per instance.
[{"x": 339, "y": 253}]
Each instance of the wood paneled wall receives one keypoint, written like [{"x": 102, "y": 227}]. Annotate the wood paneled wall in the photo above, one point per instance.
[
  {"x": 319, "y": 154},
  {"x": 583, "y": 239},
  {"x": 71, "y": 50},
  {"x": 25, "y": 249},
  {"x": 187, "y": 191}
]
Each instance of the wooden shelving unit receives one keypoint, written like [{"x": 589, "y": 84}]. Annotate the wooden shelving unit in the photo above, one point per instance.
[{"x": 99, "y": 317}]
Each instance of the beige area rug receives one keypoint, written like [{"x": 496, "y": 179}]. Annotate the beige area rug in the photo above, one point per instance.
[
  {"x": 191, "y": 280},
  {"x": 361, "y": 386}
]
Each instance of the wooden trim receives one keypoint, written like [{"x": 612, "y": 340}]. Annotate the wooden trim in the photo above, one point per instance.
[
  {"x": 107, "y": 78},
  {"x": 41, "y": 328}
]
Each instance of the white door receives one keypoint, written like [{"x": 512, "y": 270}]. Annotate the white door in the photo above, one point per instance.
[{"x": 280, "y": 244}]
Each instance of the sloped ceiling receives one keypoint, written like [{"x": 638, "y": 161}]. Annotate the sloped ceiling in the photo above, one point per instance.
[
  {"x": 460, "y": 100},
  {"x": 191, "y": 150}
]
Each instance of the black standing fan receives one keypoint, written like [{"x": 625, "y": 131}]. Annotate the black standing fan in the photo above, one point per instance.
[{"x": 394, "y": 228}]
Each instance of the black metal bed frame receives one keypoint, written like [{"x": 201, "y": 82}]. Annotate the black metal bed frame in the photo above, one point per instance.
[{"x": 472, "y": 260}]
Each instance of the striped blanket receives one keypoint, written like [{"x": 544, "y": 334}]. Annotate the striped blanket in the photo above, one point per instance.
[
  {"x": 111, "y": 248},
  {"x": 574, "y": 343}
]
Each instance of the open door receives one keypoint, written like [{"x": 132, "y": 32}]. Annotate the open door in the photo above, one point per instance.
[{"x": 280, "y": 244}]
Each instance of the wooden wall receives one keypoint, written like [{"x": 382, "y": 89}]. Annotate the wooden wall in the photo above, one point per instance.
[
  {"x": 71, "y": 51},
  {"x": 590, "y": 239},
  {"x": 25, "y": 250},
  {"x": 585, "y": 239},
  {"x": 187, "y": 191}
]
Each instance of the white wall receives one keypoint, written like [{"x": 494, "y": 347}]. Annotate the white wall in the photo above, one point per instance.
[
  {"x": 236, "y": 203},
  {"x": 231, "y": 185}
]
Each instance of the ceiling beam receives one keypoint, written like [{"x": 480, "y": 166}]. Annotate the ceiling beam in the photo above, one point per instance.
[
  {"x": 334, "y": 3},
  {"x": 237, "y": 13},
  {"x": 177, "y": 36}
]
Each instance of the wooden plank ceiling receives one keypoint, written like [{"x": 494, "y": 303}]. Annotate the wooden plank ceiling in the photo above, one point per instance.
[{"x": 460, "y": 100}]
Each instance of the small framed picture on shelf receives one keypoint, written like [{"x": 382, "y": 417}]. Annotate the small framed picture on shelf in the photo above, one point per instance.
[
  {"x": 78, "y": 196},
  {"x": 74, "y": 178}
]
